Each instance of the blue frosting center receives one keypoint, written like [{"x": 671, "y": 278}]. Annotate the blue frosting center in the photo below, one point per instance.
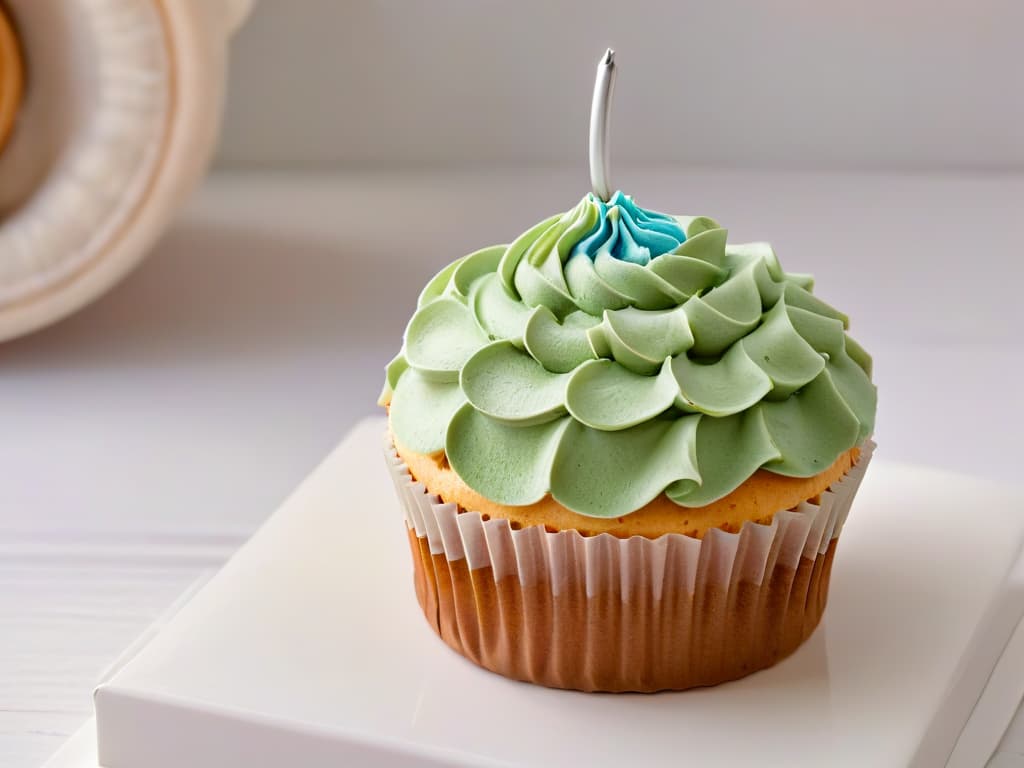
[{"x": 630, "y": 233}]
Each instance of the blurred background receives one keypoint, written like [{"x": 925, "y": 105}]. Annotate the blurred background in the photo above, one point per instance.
[
  {"x": 907, "y": 85},
  {"x": 878, "y": 144}
]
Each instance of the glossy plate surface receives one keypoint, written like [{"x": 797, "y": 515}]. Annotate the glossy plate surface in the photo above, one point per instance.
[{"x": 308, "y": 648}]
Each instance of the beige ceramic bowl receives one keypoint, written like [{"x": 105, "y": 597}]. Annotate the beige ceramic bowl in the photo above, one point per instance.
[
  {"x": 112, "y": 107},
  {"x": 11, "y": 76}
]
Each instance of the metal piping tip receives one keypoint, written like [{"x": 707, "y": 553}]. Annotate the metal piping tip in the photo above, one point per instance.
[{"x": 600, "y": 116}]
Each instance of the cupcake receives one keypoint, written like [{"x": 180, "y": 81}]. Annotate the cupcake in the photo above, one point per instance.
[{"x": 625, "y": 449}]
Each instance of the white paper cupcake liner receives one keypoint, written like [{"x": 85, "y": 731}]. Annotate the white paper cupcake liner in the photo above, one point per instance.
[{"x": 671, "y": 612}]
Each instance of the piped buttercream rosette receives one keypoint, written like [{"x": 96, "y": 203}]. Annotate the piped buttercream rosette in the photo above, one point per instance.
[{"x": 612, "y": 354}]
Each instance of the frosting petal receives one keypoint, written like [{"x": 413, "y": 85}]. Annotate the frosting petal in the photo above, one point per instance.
[
  {"x": 393, "y": 371},
  {"x": 497, "y": 313},
  {"x": 686, "y": 274},
  {"x": 824, "y": 334},
  {"x": 604, "y": 395},
  {"x": 811, "y": 428},
  {"x": 854, "y": 386},
  {"x": 782, "y": 353},
  {"x": 421, "y": 410},
  {"x": 509, "y": 465},
  {"x": 559, "y": 347},
  {"x": 591, "y": 292},
  {"x": 859, "y": 355},
  {"x": 713, "y": 332},
  {"x": 800, "y": 297},
  {"x": 537, "y": 291},
  {"x": 438, "y": 283},
  {"x": 441, "y": 337},
  {"x": 706, "y": 244},
  {"x": 509, "y": 263},
  {"x": 738, "y": 255},
  {"x": 729, "y": 450},
  {"x": 538, "y": 277},
  {"x": 641, "y": 340},
  {"x": 694, "y": 225},
  {"x": 643, "y": 459},
  {"x": 475, "y": 266},
  {"x": 644, "y": 288},
  {"x": 728, "y": 386},
  {"x": 510, "y": 386}
]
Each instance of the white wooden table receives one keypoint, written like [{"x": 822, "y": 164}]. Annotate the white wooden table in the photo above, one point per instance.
[{"x": 146, "y": 437}]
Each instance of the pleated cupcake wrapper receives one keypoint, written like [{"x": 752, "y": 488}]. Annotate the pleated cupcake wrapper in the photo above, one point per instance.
[
  {"x": 603, "y": 613},
  {"x": 536, "y": 555}
]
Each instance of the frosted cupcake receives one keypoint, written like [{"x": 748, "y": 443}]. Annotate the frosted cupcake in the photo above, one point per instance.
[{"x": 625, "y": 449}]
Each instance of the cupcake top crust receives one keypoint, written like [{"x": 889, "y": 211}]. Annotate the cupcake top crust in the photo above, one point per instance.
[{"x": 612, "y": 353}]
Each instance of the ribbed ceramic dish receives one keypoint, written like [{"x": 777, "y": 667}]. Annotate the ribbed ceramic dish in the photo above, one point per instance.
[{"x": 115, "y": 122}]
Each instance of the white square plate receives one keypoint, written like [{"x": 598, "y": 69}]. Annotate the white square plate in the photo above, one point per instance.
[{"x": 309, "y": 649}]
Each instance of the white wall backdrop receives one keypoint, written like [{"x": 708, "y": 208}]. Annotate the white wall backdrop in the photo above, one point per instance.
[{"x": 896, "y": 84}]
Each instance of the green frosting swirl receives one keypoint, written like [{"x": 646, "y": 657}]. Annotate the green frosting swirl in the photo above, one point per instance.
[{"x": 605, "y": 383}]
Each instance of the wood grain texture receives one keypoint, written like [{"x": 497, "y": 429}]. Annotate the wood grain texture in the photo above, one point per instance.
[{"x": 68, "y": 608}]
